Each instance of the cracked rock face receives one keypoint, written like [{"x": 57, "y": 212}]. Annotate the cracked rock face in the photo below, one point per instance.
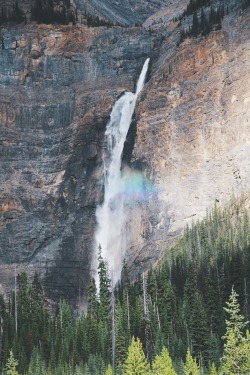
[
  {"x": 57, "y": 88},
  {"x": 193, "y": 135}
]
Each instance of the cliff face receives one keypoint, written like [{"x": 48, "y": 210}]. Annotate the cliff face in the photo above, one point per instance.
[
  {"x": 116, "y": 11},
  {"x": 193, "y": 134},
  {"x": 190, "y": 136},
  {"x": 123, "y": 12},
  {"x": 58, "y": 85}
]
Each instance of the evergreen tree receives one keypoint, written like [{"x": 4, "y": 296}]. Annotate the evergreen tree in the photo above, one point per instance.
[
  {"x": 191, "y": 367},
  {"x": 162, "y": 364},
  {"x": 199, "y": 328},
  {"x": 120, "y": 341},
  {"x": 235, "y": 360},
  {"x": 136, "y": 363},
  {"x": 104, "y": 294},
  {"x": 213, "y": 370},
  {"x": 11, "y": 365},
  {"x": 92, "y": 299},
  {"x": 36, "y": 365},
  {"x": 109, "y": 370}
]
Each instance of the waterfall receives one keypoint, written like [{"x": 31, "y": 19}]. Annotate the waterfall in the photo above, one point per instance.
[{"x": 110, "y": 216}]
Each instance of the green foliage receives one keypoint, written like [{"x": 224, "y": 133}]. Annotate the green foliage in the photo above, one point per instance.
[
  {"x": 11, "y": 365},
  {"x": 184, "y": 297},
  {"x": 136, "y": 363},
  {"x": 109, "y": 370},
  {"x": 235, "y": 360},
  {"x": 162, "y": 364},
  {"x": 104, "y": 293},
  {"x": 203, "y": 21},
  {"x": 36, "y": 365},
  {"x": 195, "y": 5},
  {"x": 203, "y": 24},
  {"x": 213, "y": 370},
  {"x": 191, "y": 367}
]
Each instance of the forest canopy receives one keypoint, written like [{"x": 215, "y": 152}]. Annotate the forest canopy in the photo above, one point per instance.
[{"x": 190, "y": 311}]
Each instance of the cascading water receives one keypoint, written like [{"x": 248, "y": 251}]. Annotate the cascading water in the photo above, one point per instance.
[{"x": 110, "y": 233}]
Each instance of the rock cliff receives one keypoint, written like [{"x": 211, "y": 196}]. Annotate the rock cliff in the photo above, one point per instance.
[
  {"x": 193, "y": 133},
  {"x": 190, "y": 135},
  {"x": 58, "y": 85}
]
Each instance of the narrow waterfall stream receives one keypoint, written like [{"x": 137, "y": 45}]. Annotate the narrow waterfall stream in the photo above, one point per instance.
[{"x": 110, "y": 232}]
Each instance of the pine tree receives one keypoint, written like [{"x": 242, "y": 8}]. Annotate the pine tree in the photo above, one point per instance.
[
  {"x": 213, "y": 370},
  {"x": 92, "y": 299},
  {"x": 136, "y": 363},
  {"x": 235, "y": 357},
  {"x": 191, "y": 367},
  {"x": 120, "y": 343},
  {"x": 162, "y": 364},
  {"x": 109, "y": 370},
  {"x": 11, "y": 365},
  {"x": 104, "y": 294},
  {"x": 199, "y": 328},
  {"x": 36, "y": 365}
]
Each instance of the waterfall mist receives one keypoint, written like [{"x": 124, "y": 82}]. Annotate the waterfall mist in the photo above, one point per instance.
[{"x": 110, "y": 233}]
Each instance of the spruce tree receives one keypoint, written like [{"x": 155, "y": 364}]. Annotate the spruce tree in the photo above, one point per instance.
[
  {"x": 191, "y": 367},
  {"x": 11, "y": 365},
  {"x": 120, "y": 341},
  {"x": 136, "y": 363},
  {"x": 92, "y": 299},
  {"x": 213, "y": 370},
  {"x": 162, "y": 364},
  {"x": 104, "y": 293},
  {"x": 109, "y": 370},
  {"x": 235, "y": 360}
]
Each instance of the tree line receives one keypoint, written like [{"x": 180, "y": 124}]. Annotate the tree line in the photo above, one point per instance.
[
  {"x": 205, "y": 18},
  {"x": 13, "y": 15},
  {"x": 246, "y": 4},
  {"x": 192, "y": 310},
  {"x": 203, "y": 24},
  {"x": 45, "y": 11},
  {"x": 49, "y": 12}
]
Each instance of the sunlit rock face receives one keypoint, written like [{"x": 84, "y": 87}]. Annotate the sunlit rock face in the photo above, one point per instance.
[
  {"x": 193, "y": 134},
  {"x": 189, "y": 137}
]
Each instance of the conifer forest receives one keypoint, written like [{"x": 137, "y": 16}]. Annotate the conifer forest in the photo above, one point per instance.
[{"x": 187, "y": 315}]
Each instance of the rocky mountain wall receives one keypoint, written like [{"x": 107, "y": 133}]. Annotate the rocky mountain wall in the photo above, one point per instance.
[
  {"x": 57, "y": 88},
  {"x": 193, "y": 134}
]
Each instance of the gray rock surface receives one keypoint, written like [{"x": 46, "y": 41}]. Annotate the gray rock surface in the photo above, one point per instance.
[{"x": 57, "y": 88}]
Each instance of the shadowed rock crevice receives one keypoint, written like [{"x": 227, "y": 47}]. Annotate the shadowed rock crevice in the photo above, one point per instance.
[{"x": 57, "y": 88}]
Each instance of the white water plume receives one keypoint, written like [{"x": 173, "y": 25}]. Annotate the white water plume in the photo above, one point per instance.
[{"x": 111, "y": 221}]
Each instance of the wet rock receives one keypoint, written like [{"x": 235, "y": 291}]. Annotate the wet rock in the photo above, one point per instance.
[{"x": 58, "y": 85}]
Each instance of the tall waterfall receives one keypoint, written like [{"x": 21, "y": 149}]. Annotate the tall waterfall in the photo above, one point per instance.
[{"x": 110, "y": 233}]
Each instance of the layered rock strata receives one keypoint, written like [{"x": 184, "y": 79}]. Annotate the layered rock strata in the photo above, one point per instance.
[
  {"x": 193, "y": 134},
  {"x": 57, "y": 88}
]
